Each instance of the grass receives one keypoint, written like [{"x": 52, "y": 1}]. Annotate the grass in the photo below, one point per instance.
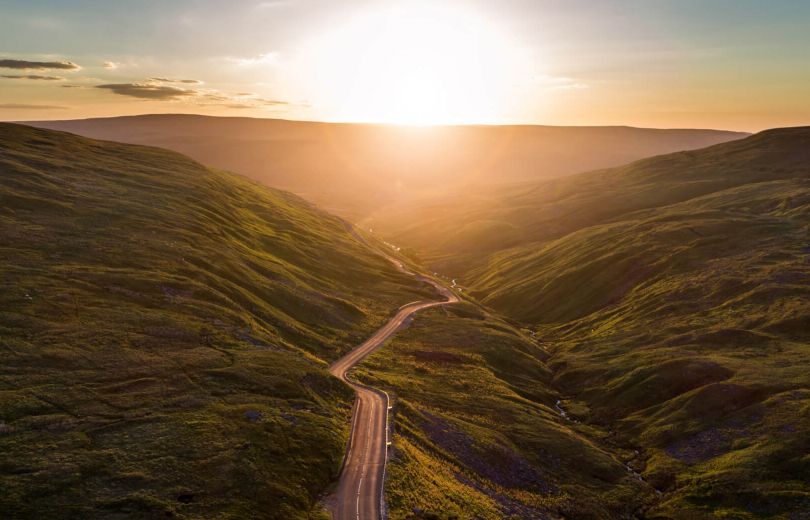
[
  {"x": 461, "y": 233},
  {"x": 476, "y": 432},
  {"x": 673, "y": 296},
  {"x": 165, "y": 330}
]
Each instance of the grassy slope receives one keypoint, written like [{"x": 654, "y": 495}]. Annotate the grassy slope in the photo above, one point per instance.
[
  {"x": 459, "y": 233},
  {"x": 163, "y": 326},
  {"x": 356, "y": 168},
  {"x": 477, "y": 435},
  {"x": 674, "y": 294},
  {"x": 688, "y": 328}
]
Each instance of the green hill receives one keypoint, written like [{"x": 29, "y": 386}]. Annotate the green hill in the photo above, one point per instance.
[
  {"x": 674, "y": 297},
  {"x": 355, "y": 169},
  {"x": 165, "y": 330},
  {"x": 459, "y": 232},
  {"x": 164, "y": 333},
  {"x": 477, "y": 434}
]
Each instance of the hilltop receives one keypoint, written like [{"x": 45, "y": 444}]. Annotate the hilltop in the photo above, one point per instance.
[
  {"x": 356, "y": 169},
  {"x": 165, "y": 332}
]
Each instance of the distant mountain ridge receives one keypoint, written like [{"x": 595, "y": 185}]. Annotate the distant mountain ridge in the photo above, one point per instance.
[{"x": 354, "y": 169}]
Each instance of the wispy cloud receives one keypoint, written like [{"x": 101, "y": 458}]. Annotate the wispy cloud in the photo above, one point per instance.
[
  {"x": 262, "y": 59},
  {"x": 32, "y": 76},
  {"x": 560, "y": 82},
  {"x": 274, "y": 4},
  {"x": 148, "y": 90},
  {"x": 163, "y": 89},
  {"x": 37, "y": 65},
  {"x": 126, "y": 63},
  {"x": 241, "y": 100},
  {"x": 20, "y": 106},
  {"x": 186, "y": 81}
]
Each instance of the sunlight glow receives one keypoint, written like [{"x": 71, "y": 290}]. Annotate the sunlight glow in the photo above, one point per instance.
[{"x": 412, "y": 65}]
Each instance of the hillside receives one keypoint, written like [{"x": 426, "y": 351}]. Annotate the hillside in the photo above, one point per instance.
[
  {"x": 165, "y": 330},
  {"x": 673, "y": 295},
  {"x": 354, "y": 169},
  {"x": 459, "y": 233},
  {"x": 478, "y": 436}
]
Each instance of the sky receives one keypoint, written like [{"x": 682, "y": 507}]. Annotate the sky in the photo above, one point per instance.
[{"x": 726, "y": 64}]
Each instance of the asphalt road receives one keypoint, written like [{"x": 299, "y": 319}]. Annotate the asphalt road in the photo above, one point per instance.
[{"x": 360, "y": 491}]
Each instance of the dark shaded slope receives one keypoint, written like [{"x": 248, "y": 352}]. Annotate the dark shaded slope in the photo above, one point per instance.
[
  {"x": 161, "y": 327},
  {"x": 477, "y": 432},
  {"x": 737, "y": 191},
  {"x": 674, "y": 295},
  {"x": 686, "y": 329}
]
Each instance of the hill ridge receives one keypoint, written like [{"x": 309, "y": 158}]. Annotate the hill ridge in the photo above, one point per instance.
[{"x": 166, "y": 330}]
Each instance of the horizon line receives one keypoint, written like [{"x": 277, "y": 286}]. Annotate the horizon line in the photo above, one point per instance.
[{"x": 390, "y": 124}]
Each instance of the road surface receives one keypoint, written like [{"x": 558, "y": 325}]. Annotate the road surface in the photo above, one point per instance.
[{"x": 360, "y": 491}]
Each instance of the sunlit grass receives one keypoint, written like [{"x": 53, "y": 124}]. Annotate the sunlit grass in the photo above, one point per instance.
[
  {"x": 477, "y": 435},
  {"x": 673, "y": 295}
]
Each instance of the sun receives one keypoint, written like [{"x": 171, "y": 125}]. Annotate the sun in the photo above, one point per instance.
[{"x": 414, "y": 65}]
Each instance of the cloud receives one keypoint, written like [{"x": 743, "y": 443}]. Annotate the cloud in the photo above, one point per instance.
[
  {"x": 262, "y": 59},
  {"x": 37, "y": 65},
  {"x": 166, "y": 80},
  {"x": 157, "y": 89},
  {"x": 572, "y": 86},
  {"x": 271, "y": 102},
  {"x": 111, "y": 65},
  {"x": 18, "y": 106},
  {"x": 246, "y": 100},
  {"x": 258, "y": 103},
  {"x": 240, "y": 100},
  {"x": 274, "y": 4},
  {"x": 148, "y": 91},
  {"x": 32, "y": 76},
  {"x": 560, "y": 82}
]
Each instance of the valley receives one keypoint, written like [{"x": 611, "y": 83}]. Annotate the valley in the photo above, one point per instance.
[
  {"x": 672, "y": 296},
  {"x": 404, "y": 260},
  {"x": 361, "y": 489},
  {"x": 633, "y": 347}
]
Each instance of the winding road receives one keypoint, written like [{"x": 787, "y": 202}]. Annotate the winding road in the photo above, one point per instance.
[{"x": 360, "y": 492}]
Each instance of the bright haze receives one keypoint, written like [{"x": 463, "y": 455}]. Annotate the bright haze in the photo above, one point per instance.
[{"x": 730, "y": 64}]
